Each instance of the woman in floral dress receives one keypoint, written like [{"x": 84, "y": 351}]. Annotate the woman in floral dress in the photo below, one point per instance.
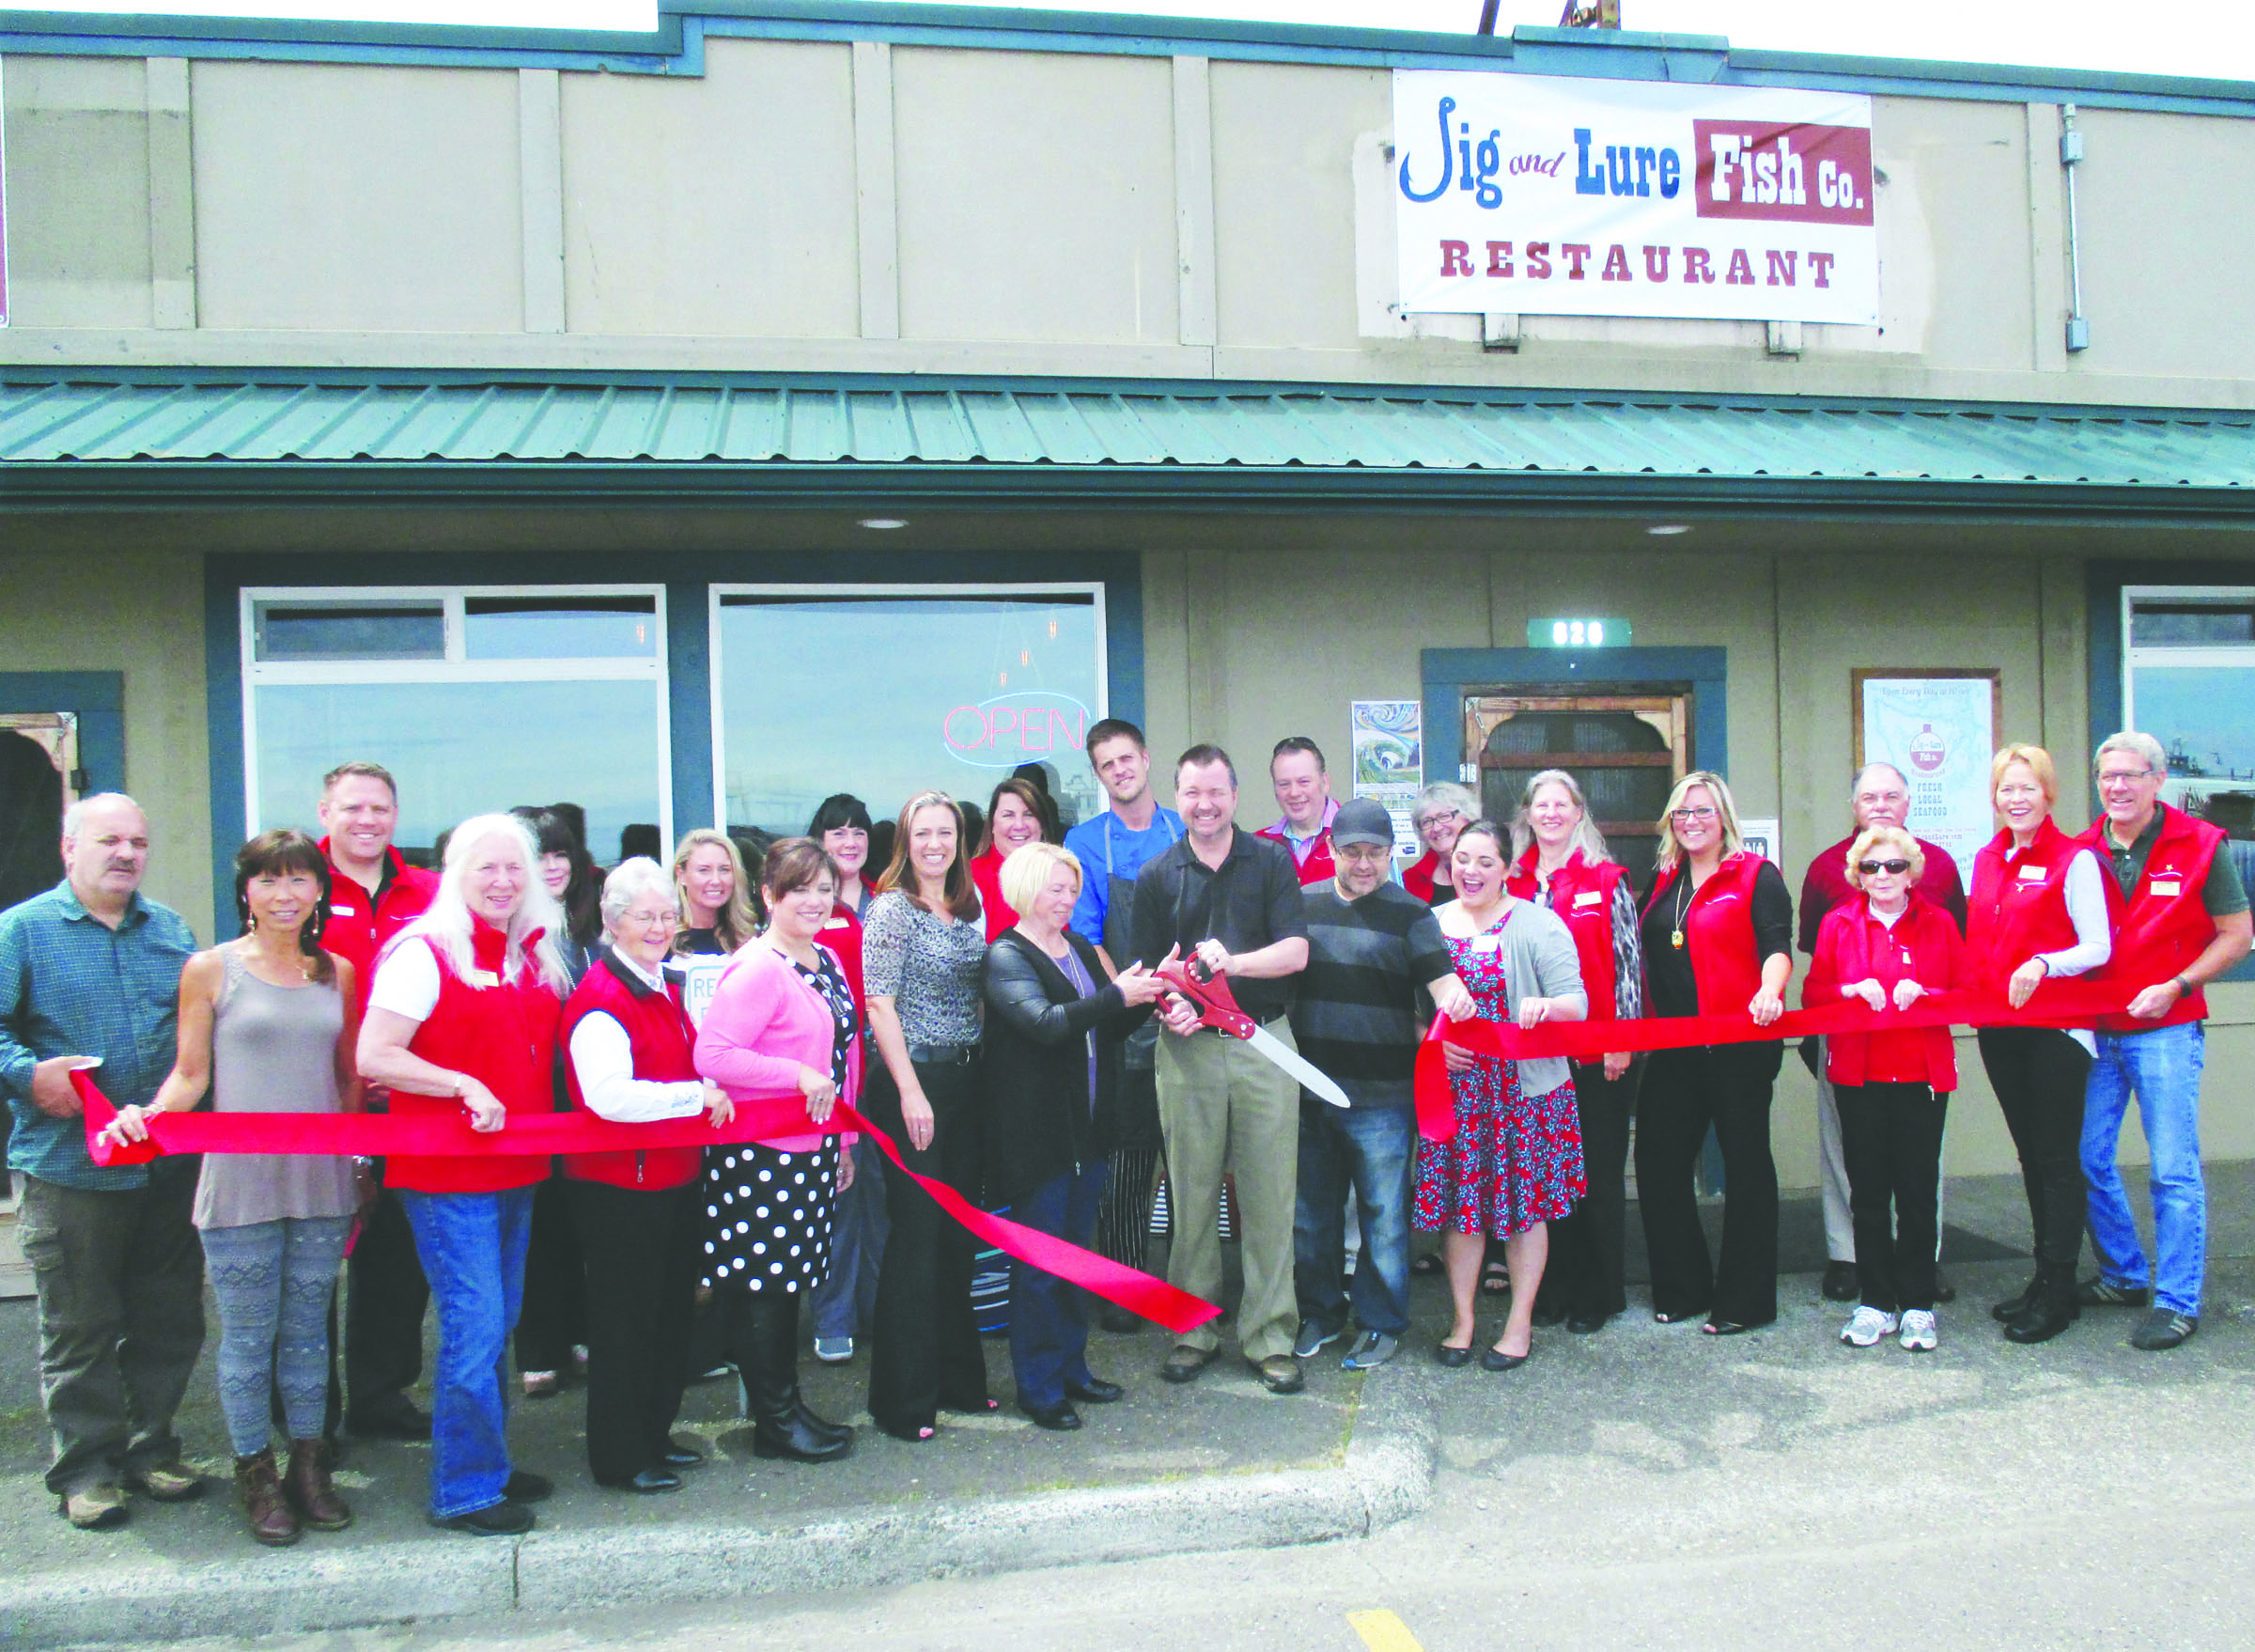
[{"x": 1515, "y": 1163}]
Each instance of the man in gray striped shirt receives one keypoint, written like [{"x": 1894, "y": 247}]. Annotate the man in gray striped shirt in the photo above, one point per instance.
[{"x": 1376, "y": 969}]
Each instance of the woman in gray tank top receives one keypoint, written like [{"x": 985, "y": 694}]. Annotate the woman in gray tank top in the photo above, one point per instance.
[{"x": 268, "y": 1025}]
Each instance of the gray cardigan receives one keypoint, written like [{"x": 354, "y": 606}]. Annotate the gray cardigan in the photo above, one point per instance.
[{"x": 1539, "y": 962}]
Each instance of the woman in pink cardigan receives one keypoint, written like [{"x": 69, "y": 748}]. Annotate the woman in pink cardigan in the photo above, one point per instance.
[{"x": 782, "y": 1021}]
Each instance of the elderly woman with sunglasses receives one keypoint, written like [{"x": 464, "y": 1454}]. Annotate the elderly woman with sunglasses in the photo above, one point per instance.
[
  {"x": 1717, "y": 933},
  {"x": 1888, "y": 946}
]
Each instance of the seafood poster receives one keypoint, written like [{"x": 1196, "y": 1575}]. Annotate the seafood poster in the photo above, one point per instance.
[
  {"x": 1390, "y": 761},
  {"x": 1940, "y": 732}
]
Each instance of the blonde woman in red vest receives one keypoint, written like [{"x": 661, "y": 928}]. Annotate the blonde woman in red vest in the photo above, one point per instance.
[
  {"x": 630, "y": 1059},
  {"x": 1718, "y": 933},
  {"x": 1561, "y": 861},
  {"x": 462, "y": 1020},
  {"x": 2038, "y": 911},
  {"x": 2181, "y": 920},
  {"x": 1888, "y": 945}
]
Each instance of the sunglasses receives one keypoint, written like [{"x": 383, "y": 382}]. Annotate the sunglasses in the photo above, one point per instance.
[{"x": 1894, "y": 867}]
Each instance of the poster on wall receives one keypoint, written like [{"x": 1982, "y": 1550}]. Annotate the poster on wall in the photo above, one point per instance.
[
  {"x": 3, "y": 222},
  {"x": 1542, "y": 195},
  {"x": 1761, "y": 838},
  {"x": 1938, "y": 727},
  {"x": 1388, "y": 761}
]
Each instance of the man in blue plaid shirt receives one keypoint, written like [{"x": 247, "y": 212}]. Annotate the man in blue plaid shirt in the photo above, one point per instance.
[{"x": 92, "y": 968}]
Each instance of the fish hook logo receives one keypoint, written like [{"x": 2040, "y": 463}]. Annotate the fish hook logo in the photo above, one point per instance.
[{"x": 1448, "y": 160}]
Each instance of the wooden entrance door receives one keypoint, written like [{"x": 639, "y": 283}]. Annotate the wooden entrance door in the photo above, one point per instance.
[{"x": 1627, "y": 747}]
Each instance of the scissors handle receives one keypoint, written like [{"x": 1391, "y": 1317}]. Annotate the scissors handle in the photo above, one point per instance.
[{"x": 1216, "y": 1004}]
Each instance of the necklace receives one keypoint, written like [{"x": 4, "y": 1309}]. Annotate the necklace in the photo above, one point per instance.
[{"x": 1683, "y": 906}]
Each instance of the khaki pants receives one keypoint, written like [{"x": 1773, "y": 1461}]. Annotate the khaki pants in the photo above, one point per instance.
[{"x": 1225, "y": 1107}]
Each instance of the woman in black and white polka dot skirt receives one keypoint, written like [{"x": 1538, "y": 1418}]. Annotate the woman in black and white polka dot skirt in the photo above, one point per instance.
[{"x": 781, "y": 1020}]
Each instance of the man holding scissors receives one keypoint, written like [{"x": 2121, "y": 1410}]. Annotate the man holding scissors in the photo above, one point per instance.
[{"x": 1230, "y": 902}]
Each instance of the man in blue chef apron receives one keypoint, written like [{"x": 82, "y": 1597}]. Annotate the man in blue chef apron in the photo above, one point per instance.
[{"x": 1112, "y": 846}]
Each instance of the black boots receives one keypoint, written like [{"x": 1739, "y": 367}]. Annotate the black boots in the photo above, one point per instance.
[
  {"x": 2047, "y": 1308},
  {"x": 2010, "y": 1309},
  {"x": 768, "y": 1358}
]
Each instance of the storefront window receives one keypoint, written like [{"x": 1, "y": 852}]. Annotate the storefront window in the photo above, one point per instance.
[
  {"x": 476, "y": 700},
  {"x": 885, "y": 692},
  {"x": 2188, "y": 680}
]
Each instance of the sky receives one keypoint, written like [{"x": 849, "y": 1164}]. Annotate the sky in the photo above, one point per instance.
[{"x": 2215, "y": 40}]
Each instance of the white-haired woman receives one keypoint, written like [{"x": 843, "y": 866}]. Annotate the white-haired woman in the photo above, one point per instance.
[
  {"x": 1560, "y": 860},
  {"x": 1442, "y": 811},
  {"x": 1056, "y": 1016},
  {"x": 1718, "y": 934},
  {"x": 463, "y": 1016},
  {"x": 631, "y": 1059}
]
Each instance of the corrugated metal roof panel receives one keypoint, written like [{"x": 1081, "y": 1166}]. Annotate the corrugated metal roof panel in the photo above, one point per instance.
[{"x": 65, "y": 419}]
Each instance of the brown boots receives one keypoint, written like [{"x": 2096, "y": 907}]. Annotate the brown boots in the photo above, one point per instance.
[
  {"x": 278, "y": 1515},
  {"x": 311, "y": 1490}
]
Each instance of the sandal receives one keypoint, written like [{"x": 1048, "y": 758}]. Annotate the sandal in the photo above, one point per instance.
[
  {"x": 978, "y": 1407},
  {"x": 915, "y": 1435},
  {"x": 1677, "y": 1318},
  {"x": 1426, "y": 1266},
  {"x": 1725, "y": 1328},
  {"x": 1494, "y": 1281}
]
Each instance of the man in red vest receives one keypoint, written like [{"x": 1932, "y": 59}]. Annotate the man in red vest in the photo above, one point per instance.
[
  {"x": 1303, "y": 792},
  {"x": 374, "y": 894},
  {"x": 2180, "y": 920},
  {"x": 1881, "y": 797}
]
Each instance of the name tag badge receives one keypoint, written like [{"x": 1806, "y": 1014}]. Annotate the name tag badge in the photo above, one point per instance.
[
  {"x": 2169, "y": 886},
  {"x": 1589, "y": 898},
  {"x": 835, "y": 923},
  {"x": 1488, "y": 945},
  {"x": 2033, "y": 874},
  {"x": 341, "y": 911},
  {"x": 482, "y": 979}
]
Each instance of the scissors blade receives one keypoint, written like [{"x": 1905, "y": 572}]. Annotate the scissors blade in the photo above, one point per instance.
[{"x": 1310, "y": 1075}]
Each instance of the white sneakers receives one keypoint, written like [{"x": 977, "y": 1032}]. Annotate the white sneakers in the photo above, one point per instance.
[{"x": 1868, "y": 1326}]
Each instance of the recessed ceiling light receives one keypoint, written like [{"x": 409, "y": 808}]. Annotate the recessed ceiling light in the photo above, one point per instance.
[
  {"x": 884, "y": 523},
  {"x": 1661, "y": 530}
]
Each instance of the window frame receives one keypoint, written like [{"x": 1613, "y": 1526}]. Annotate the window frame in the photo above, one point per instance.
[
  {"x": 717, "y": 593},
  {"x": 453, "y": 667},
  {"x": 2206, "y": 655}
]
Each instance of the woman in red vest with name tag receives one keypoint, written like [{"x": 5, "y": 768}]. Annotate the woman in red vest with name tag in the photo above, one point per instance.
[
  {"x": 630, "y": 1052},
  {"x": 462, "y": 1020},
  {"x": 1563, "y": 864},
  {"x": 2038, "y": 911},
  {"x": 1889, "y": 946},
  {"x": 1718, "y": 932}
]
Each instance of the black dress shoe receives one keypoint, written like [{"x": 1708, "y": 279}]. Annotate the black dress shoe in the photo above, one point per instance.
[
  {"x": 1586, "y": 1324},
  {"x": 822, "y": 1427},
  {"x": 1061, "y": 1416},
  {"x": 1841, "y": 1284},
  {"x": 1496, "y": 1360},
  {"x": 648, "y": 1483},
  {"x": 794, "y": 1442},
  {"x": 503, "y": 1520},
  {"x": 680, "y": 1456},
  {"x": 2046, "y": 1314},
  {"x": 404, "y": 1421},
  {"x": 2010, "y": 1309},
  {"x": 1453, "y": 1357},
  {"x": 1547, "y": 1315},
  {"x": 1094, "y": 1392},
  {"x": 526, "y": 1487}
]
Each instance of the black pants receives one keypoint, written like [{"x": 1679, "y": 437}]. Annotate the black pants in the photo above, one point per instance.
[
  {"x": 1729, "y": 1087},
  {"x": 554, "y": 1316},
  {"x": 642, "y": 1280},
  {"x": 925, "y": 1350},
  {"x": 1584, "y": 1275},
  {"x": 386, "y": 1299},
  {"x": 1891, "y": 1137},
  {"x": 2037, "y": 1074}
]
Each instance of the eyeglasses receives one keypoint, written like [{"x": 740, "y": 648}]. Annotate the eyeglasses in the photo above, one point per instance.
[
  {"x": 1427, "y": 824},
  {"x": 2124, "y": 776},
  {"x": 650, "y": 920},
  {"x": 1893, "y": 868},
  {"x": 1686, "y": 816}
]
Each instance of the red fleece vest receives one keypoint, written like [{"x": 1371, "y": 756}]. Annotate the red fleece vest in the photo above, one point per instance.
[
  {"x": 662, "y": 1042},
  {"x": 1719, "y": 931},
  {"x": 2163, "y": 925},
  {"x": 1581, "y": 897},
  {"x": 2019, "y": 906}
]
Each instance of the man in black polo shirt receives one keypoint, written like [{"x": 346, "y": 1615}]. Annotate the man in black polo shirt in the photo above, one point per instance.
[{"x": 1234, "y": 901}]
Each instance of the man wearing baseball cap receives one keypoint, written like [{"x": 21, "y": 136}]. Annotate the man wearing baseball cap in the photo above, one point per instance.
[{"x": 1378, "y": 968}]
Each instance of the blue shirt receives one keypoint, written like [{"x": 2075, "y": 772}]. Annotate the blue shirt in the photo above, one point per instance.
[
  {"x": 1107, "y": 848},
  {"x": 70, "y": 985}
]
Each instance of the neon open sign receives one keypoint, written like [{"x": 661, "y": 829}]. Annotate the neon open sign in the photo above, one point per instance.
[{"x": 1011, "y": 729}]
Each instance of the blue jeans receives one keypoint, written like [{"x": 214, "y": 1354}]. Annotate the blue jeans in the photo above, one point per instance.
[
  {"x": 845, "y": 1300},
  {"x": 2163, "y": 1067},
  {"x": 473, "y": 1249},
  {"x": 1048, "y": 1317},
  {"x": 1374, "y": 1149}
]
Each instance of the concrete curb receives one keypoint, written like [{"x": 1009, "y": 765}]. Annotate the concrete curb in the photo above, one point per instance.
[{"x": 1386, "y": 1477}]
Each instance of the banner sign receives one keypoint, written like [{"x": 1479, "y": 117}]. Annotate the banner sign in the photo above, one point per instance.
[
  {"x": 1939, "y": 731},
  {"x": 1537, "y": 195}
]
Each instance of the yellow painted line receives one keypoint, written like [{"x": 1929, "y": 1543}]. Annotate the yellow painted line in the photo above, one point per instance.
[{"x": 1382, "y": 1631}]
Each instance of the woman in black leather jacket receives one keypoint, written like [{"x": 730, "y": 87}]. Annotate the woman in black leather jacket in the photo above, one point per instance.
[{"x": 1055, "y": 1017}]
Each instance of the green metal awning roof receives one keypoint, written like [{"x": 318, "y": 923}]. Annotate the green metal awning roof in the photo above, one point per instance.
[{"x": 94, "y": 438}]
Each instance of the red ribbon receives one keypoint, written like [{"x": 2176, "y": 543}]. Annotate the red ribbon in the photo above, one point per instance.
[
  {"x": 2056, "y": 1003},
  {"x": 538, "y": 1134}
]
